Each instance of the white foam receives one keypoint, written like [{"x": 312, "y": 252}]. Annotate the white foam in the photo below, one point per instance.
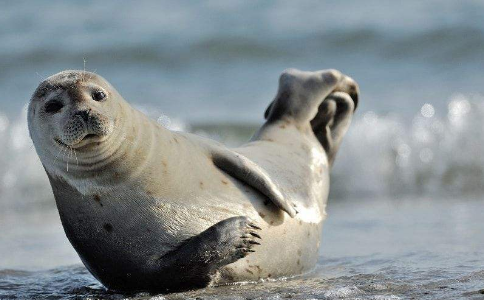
[
  {"x": 342, "y": 292},
  {"x": 433, "y": 154},
  {"x": 22, "y": 177}
]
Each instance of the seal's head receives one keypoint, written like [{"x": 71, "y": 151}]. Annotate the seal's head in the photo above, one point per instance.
[{"x": 71, "y": 110}]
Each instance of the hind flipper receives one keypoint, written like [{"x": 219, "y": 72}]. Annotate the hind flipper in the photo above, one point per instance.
[
  {"x": 324, "y": 99},
  {"x": 332, "y": 122},
  {"x": 245, "y": 170},
  {"x": 300, "y": 93}
]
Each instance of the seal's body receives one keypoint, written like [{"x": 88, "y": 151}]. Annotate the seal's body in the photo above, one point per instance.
[{"x": 151, "y": 209}]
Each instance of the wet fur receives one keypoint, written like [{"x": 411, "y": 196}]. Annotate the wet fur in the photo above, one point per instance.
[{"x": 151, "y": 209}]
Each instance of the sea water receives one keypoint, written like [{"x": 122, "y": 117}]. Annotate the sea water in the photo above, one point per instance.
[{"x": 405, "y": 213}]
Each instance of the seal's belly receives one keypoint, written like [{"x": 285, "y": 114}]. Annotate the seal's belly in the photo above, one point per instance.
[
  {"x": 123, "y": 230},
  {"x": 286, "y": 249}
]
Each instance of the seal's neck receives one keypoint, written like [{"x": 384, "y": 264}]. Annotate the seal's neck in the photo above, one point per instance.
[{"x": 122, "y": 158}]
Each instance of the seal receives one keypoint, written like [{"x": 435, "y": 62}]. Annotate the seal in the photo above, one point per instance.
[{"x": 149, "y": 209}]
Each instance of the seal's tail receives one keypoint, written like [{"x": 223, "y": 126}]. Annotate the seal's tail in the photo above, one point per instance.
[{"x": 324, "y": 99}]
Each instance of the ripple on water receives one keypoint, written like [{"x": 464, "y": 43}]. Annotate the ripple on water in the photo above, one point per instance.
[{"x": 75, "y": 282}]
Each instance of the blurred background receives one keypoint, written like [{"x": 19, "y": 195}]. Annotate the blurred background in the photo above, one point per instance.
[{"x": 409, "y": 177}]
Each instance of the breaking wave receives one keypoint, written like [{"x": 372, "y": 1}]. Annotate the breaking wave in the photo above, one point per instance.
[{"x": 431, "y": 154}]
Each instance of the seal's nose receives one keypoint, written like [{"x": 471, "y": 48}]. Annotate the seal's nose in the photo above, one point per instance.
[{"x": 83, "y": 114}]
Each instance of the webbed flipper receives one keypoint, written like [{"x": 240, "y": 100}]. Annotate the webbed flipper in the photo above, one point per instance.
[
  {"x": 195, "y": 260},
  {"x": 245, "y": 170},
  {"x": 326, "y": 100}
]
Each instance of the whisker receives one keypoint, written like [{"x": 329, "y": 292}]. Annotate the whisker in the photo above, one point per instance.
[
  {"x": 84, "y": 70},
  {"x": 61, "y": 149},
  {"x": 92, "y": 73},
  {"x": 67, "y": 160},
  {"x": 41, "y": 77},
  {"x": 63, "y": 155},
  {"x": 77, "y": 162}
]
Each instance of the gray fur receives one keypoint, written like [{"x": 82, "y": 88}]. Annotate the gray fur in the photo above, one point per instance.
[{"x": 247, "y": 171}]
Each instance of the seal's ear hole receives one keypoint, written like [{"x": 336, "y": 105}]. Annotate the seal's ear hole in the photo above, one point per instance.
[
  {"x": 53, "y": 106},
  {"x": 98, "y": 96}
]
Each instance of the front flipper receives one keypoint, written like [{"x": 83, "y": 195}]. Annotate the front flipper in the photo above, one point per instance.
[
  {"x": 192, "y": 263},
  {"x": 250, "y": 173}
]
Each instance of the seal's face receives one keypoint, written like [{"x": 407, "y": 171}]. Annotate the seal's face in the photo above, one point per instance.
[{"x": 71, "y": 109}]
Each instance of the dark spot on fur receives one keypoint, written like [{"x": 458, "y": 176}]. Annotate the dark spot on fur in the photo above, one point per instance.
[
  {"x": 305, "y": 147},
  {"x": 108, "y": 227},
  {"x": 299, "y": 252},
  {"x": 229, "y": 277},
  {"x": 272, "y": 223},
  {"x": 262, "y": 215},
  {"x": 224, "y": 182},
  {"x": 97, "y": 198},
  {"x": 267, "y": 202},
  {"x": 163, "y": 163},
  {"x": 270, "y": 140},
  {"x": 298, "y": 262},
  {"x": 282, "y": 126},
  {"x": 176, "y": 141},
  {"x": 269, "y": 275},
  {"x": 249, "y": 271}
]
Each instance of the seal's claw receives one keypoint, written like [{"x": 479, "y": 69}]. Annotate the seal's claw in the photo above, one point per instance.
[
  {"x": 234, "y": 238},
  {"x": 250, "y": 236}
]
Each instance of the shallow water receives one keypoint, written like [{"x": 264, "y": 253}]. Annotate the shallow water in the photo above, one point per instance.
[
  {"x": 405, "y": 213},
  {"x": 400, "y": 225},
  {"x": 372, "y": 249}
]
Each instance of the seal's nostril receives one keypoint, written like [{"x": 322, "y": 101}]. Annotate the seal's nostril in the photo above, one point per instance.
[{"x": 84, "y": 114}]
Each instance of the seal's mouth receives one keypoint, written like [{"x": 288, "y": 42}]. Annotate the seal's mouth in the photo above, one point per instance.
[
  {"x": 89, "y": 136},
  {"x": 87, "y": 139},
  {"x": 58, "y": 141}
]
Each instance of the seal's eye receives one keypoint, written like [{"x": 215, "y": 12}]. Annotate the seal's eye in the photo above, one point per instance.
[
  {"x": 98, "y": 96},
  {"x": 53, "y": 106}
]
